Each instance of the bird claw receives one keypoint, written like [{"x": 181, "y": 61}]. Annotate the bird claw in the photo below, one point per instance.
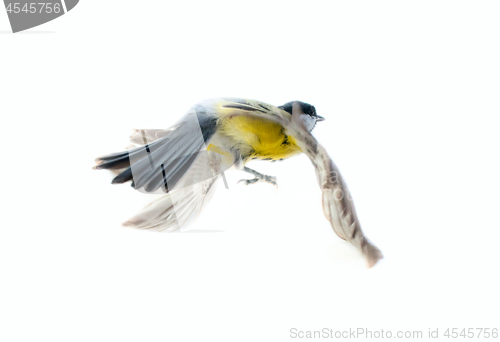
[
  {"x": 271, "y": 180},
  {"x": 248, "y": 181}
]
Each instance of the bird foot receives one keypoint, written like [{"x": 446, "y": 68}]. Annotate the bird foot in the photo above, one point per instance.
[{"x": 260, "y": 178}]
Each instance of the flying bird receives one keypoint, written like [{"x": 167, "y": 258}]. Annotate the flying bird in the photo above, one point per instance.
[{"x": 184, "y": 162}]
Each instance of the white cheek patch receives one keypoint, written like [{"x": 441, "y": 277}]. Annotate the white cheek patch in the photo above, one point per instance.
[{"x": 308, "y": 121}]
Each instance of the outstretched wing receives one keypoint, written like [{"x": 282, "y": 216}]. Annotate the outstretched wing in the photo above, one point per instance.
[
  {"x": 339, "y": 207},
  {"x": 337, "y": 203}
]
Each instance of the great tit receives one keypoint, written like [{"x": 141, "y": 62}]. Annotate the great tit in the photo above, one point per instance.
[{"x": 184, "y": 162}]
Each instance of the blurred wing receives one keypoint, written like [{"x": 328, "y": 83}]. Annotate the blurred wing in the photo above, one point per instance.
[
  {"x": 183, "y": 205},
  {"x": 339, "y": 207},
  {"x": 163, "y": 157},
  {"x": 176, "y": 209}
]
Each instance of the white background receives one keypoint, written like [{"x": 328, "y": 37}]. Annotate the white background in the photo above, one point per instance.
[{"x": 410, "y": 92}]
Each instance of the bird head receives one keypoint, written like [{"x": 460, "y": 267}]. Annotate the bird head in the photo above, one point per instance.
[{"x": 302, "y": 113}]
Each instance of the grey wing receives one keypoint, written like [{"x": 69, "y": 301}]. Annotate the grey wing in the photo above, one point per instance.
[
  {"x": 337, "y": 202},
  {"x": 166, "y": 155},
  {"x": 338, "y": 206},
  {"x": 184, "y": 204},
  {"x": 176, "y": 209}
]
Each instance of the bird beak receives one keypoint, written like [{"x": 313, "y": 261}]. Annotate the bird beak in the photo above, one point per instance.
[{"x": 319, "y": 118}]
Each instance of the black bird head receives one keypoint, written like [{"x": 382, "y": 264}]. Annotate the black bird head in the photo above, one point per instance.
[{"x": 307, "y": 113}]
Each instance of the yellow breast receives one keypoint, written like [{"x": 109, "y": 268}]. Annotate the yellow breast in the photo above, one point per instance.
[{"x": 265, "y": 139}]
